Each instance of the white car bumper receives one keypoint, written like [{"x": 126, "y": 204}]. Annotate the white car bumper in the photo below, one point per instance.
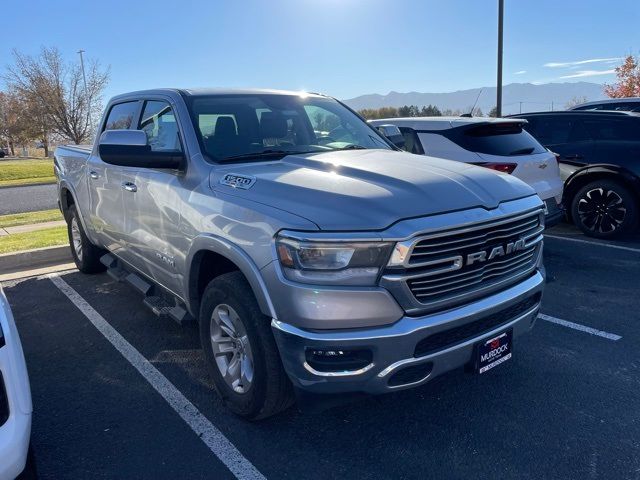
[
  {"x": 15, "y": 398},
  {"x": 14, "y": 445}
]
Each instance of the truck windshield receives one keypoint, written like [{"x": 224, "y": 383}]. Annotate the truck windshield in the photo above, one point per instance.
[{"x": 267, "y": 126}]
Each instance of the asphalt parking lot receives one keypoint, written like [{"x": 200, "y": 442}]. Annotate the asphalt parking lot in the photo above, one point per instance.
[{"x": 566, "y": 406}]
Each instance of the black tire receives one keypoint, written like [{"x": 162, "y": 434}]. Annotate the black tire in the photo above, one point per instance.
[
  {"x": 604, "y": 209},
  {"x": 270, "y": 390},
  {"x": 85, "y": 255}
]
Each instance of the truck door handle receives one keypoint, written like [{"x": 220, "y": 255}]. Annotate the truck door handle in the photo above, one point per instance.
[
  {"x": 93, "y": 175},
  {"x": 129, "y": 187}
]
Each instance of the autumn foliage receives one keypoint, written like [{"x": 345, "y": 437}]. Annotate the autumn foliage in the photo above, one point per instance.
[{"x": 628, "y": 84}]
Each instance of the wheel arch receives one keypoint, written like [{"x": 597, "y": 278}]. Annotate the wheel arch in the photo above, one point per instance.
[
  {"x": 209, "y": 251},
  {"x": 586, "y": 175}
]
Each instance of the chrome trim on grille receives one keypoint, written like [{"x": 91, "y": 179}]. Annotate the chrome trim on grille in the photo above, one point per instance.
[{"x": 420, "y": 289}]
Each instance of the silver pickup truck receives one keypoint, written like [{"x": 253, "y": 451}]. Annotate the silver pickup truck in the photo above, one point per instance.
[{"x": 314, "y": 255}]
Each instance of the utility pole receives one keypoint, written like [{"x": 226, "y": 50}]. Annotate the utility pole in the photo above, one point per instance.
[
  {"x": 499, "y": 82},
  {"x": 86, "y": 93},
  {"x": 520, "y": 107},
  {"x": 552, "y": 105}
]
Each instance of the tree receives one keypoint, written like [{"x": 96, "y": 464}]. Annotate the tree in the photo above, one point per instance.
[
  {"x": 575, "y": 101},
  {"x": 57, "y": 89},
  {"x": 628, "y": 80},
  {"x": 493, "y": 112},
  {"x": 430, "y": 111},
  {"x": 14, "y": 122}
]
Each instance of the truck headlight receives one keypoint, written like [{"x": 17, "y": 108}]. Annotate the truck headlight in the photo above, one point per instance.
[{"x": 332, "y": 263}]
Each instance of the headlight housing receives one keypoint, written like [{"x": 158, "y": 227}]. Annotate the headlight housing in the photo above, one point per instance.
[{"x": 352, "y": 263}]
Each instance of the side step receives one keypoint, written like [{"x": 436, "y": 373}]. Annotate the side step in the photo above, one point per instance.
[{"x": 153, "y": 298}]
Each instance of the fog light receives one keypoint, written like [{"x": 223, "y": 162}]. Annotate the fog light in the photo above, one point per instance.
[{"x": 337, "y": 359}]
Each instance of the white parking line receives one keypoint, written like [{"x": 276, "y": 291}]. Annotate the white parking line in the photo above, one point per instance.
[
  {"x": 578, "y": 240},
  {"x": 208, "y": 433},
  {"x": 577, "y": 326}
]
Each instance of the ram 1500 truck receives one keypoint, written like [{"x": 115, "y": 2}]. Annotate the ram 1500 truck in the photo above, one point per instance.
[{"x": 313, "y": 254}]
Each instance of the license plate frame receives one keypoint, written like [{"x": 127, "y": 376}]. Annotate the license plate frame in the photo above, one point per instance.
[{"x": 494, "y": 351}]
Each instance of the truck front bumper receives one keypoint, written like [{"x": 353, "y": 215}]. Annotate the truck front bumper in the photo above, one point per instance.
[{"x": 409, "y": 352}]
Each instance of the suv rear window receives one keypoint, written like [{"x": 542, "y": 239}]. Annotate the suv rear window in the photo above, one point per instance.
[{"x": 506, "y": 139}]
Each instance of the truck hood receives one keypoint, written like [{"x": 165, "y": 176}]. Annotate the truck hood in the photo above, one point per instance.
[{"x": 367, "y": 189}]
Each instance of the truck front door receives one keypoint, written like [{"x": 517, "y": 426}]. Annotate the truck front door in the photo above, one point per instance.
[{"x": 152, "y": 211}]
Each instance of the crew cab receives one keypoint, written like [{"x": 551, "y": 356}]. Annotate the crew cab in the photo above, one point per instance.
[{"x": 314, "y": 255}]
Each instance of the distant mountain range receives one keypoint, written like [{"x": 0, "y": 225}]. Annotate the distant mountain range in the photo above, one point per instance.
[{"x": 533, "y": 97}]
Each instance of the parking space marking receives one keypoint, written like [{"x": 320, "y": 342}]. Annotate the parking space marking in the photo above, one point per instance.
[
  {"x": 578, "y": 240},
  {"x": 577, "y": 326},
  {"x": 213, "y": 438}
]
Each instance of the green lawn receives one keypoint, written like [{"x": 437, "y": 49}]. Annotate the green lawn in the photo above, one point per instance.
[
  {"x": 38, "y": 239},
  {"x": 21, "y": 172},
  {"x": 29, "y": 218}
]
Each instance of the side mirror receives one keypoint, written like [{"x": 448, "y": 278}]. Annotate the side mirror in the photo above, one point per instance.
[
  {"x": 129, "y": 148},
  {"x": 393, "y": 133}
]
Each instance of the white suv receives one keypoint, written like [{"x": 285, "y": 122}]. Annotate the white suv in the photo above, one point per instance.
[{"x": 497, "y": 143}]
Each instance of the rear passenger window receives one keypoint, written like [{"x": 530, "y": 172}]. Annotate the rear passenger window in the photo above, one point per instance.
[
  {"x": 556, "y": 131},
  {"x": 121, "y": 116},
  {"x": 159, "y": 123},
  {"x": 607, "y": 129}
]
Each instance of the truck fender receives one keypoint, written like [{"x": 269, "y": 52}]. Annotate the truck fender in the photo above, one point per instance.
[
  {"x": 64, "y": 185},
  {"x": 235, "y": 254}
]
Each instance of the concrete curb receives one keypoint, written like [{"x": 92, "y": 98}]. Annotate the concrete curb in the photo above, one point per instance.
[
  {"x": 30, "y": 259},
  {"x": 27, "y": 185}
]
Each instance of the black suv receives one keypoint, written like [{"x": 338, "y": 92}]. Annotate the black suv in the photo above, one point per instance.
[{"x": 599, "y": 156}]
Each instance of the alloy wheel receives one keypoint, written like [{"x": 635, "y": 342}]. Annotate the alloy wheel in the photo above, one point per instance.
[
  {"x": 231, "y": 348},
  {"x": 76, "y": 238},
  {"x": 601, "y": 210}
]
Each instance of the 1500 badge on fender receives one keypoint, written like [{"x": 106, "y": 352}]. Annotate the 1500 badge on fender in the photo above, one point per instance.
[{"x": 238, "y": 181}]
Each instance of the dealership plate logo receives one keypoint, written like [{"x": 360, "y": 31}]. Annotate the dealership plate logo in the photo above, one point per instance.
[{"x": 238, "y": 181}]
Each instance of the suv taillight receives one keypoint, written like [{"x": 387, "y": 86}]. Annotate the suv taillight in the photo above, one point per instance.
[{"x": 500, "y": 167}]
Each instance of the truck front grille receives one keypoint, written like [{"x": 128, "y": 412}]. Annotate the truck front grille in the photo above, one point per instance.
[
  {"x": 432, "y": 280},
  {"x": 450, "y": 267}
]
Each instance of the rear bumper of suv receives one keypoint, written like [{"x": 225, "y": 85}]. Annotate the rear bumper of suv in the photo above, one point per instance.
[
  {"x": 407, "y": 353},
  {"x": 553, "y": 212}
]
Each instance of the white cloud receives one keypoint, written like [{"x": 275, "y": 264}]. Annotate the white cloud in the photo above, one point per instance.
[
  {"x": 589, "y": 73},
  {"x": 583, "y": 62},
  {"x": 520, "y": 72}
]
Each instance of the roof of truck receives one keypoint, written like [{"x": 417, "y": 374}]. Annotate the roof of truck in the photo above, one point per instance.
[{"x": 215, "y": 91}]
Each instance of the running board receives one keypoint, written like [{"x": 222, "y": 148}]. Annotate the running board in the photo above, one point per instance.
[{"x": 153, "y": 300}]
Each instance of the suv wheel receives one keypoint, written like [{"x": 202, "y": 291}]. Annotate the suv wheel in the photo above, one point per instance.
[
  {"x": 85, "y": 254},
  {"x": 240, "y": 350},
  {"x": 604, "y": 209}
]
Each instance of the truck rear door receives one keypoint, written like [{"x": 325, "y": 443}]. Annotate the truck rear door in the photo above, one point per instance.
[{"x": 106, "y": 183}]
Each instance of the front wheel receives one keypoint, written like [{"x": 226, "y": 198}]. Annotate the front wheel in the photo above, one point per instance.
[
  {"x": 604, "y": 209},
  {"x": 85, "y": 254},
  {"x": 240, "y": 350}
]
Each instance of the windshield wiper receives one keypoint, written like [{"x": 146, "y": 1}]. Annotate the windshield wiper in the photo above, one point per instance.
[
  {"x": 263, "y": 154},
  {"x": 353, "y": 146},
  {"x": 523, "y": 151}
]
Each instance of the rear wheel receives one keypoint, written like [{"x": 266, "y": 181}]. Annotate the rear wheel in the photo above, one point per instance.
[
  {"x": 604, "y": 209},
  {"x": 85, "y": 254},
  {"x": 240, "y": 350}
]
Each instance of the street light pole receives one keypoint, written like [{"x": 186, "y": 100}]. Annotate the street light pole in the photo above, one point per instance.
[
  {"x": 499, "y": 82},
  {"x": 86, "y": 93}
]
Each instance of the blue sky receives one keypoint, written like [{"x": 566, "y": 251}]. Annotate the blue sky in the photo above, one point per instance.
[{"x": 340, "y": 47}]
